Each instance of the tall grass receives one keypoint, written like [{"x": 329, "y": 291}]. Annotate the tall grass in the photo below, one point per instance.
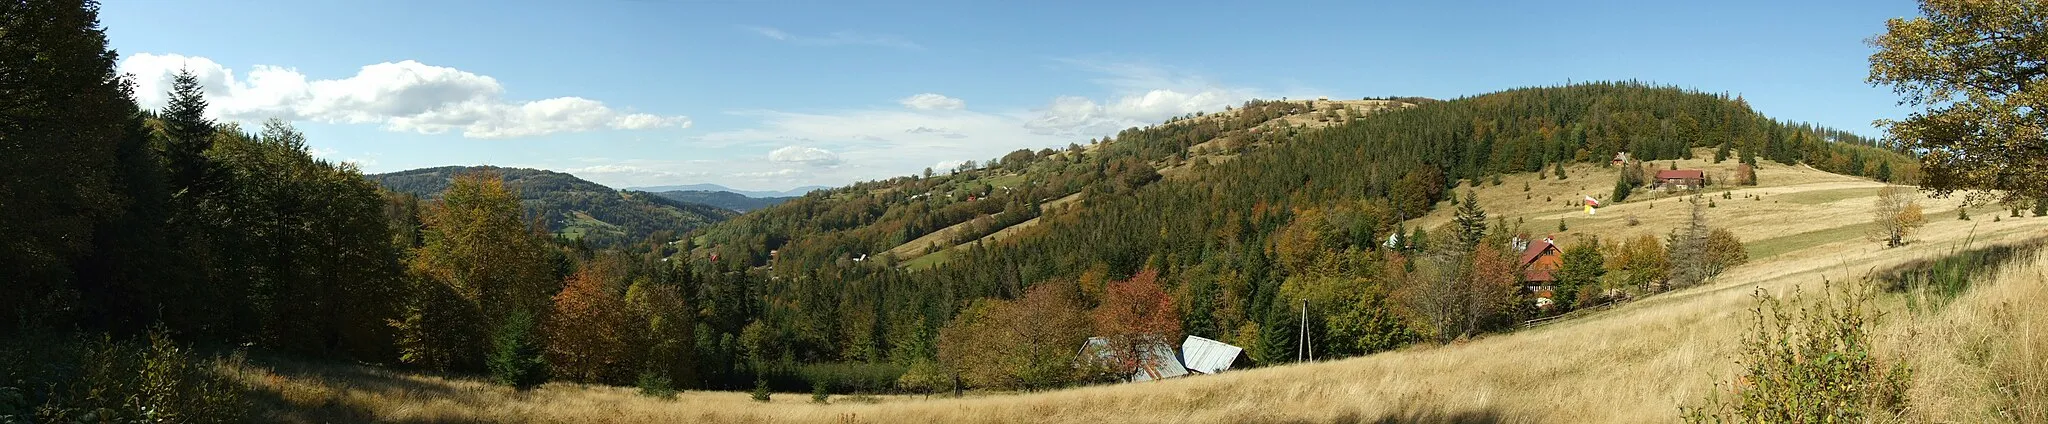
[{"x": 1983, "y": 353}]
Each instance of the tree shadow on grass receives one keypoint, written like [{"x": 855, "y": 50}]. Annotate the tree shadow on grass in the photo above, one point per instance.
[
  {"x": 270, "y": 403},
  {"x": 1420, "y": 416}
]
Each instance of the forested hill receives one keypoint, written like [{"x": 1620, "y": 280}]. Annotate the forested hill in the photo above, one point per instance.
[
  {"x": 723, "y": 199},
  {"x": 1334, "y": 152},
  {"x": 571, "y": 206},
  {"x": 1231, "y": 214}
]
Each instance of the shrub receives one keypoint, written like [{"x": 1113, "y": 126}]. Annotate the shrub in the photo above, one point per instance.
[
  {"x": 761, "y": 390},
  {"x": 819, "y": 394},
  {"x": 923, "y": 377},
  {"x": 68, "y": 379},
  {"x": 656, "y": 385},
  {"x": 852, "y": 377},
  {"x": 1809, "y": 364}
]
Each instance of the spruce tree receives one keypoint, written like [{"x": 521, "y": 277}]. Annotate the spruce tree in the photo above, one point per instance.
[
  {"x": 515, "y": 358},
  {"x": 188, "y": 132},
  {"x": 1471, "y": 221}
]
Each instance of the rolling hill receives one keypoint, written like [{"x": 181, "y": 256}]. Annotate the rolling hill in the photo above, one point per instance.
[
  {"x": 795, "y": 192},
  {"x": 723, "y": 199},
  {"x": 570, "y": 206}
]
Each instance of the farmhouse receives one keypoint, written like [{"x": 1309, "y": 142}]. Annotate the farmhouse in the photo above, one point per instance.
[
  {"x": 1540, "y": 261},
  {"x": 1681, "y": 179}
]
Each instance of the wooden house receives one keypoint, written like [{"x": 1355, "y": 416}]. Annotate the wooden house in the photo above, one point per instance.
[
  {"x": 1680, "y": 179},
  {"x": 1540, "y": 262}
]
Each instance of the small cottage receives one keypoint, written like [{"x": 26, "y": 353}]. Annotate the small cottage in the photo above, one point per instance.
[{"x": 1681, "y": 179}]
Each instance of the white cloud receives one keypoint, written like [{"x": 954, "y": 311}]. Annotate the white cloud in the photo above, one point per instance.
[
  {"x": 319, "y": 152},
  {"x": 1142, "y": 94},
  {"x": 942, "y": 132},
  {"x": 805, "y": 155},
  {"x": 839, "y": 38},
  {"x": 882, "y": 142},
  {"x": 779, "y": 173},
  {"x": 932, "y": 101},
  {"x": 403, "y": 96}
]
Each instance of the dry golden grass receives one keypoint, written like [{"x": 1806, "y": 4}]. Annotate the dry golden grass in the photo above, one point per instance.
[
  {"x": 1638, "y": 362},
  {"x": 1982, "y": 358}
]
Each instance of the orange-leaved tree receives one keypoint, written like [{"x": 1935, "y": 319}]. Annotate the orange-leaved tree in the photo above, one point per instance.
[
  {"x": 1136, "y": 316},
  {"x": 589, "y": 334}
]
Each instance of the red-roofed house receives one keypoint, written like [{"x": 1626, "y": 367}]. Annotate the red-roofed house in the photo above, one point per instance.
[
  {"x": 1540, "y": 262},
  {"x": 1681, "y": 179}
]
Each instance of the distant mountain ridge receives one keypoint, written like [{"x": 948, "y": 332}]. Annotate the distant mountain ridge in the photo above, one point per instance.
[
  {"x": 724, "y": 199},
  {"x": 572, "y": 206},
  {"x": 795, "y": 192}
]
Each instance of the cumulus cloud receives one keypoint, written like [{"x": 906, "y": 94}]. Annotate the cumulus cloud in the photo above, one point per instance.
[
  {"x": 1141, "y": 94},
  {"x": 932, "y": 101},
  {"x": 805, "y": 155},
  {"x": 402, "y": 96},
  {"x": 880, "y": 142},
  {"x": 839, "y": 38}
]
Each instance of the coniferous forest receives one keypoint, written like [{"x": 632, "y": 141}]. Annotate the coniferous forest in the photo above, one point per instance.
[{"x": 138, "y": 241}]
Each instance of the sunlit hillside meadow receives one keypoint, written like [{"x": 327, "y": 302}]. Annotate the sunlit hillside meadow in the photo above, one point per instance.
[{"x": 1636, "y": 362}]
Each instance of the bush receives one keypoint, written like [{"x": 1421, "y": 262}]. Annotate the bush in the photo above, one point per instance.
[
  {"x": 761, "y": 390},
  {"x": 656, "y": 385},
  {"x": 923, "y": 377},
  {"x": 819, "y": 395},
  {"x": 852, "y": 377},
  {"x": 68, "y": 379},
  {"x": 1809, "y": 364}
]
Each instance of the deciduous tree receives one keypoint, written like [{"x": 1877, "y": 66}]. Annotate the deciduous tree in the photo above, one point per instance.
[
  {"x": 1895, "y": 217},
  {"x": 1978, "y": 69}
]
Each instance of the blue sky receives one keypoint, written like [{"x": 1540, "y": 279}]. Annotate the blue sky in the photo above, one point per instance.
[{"x": 776, "y": 94}]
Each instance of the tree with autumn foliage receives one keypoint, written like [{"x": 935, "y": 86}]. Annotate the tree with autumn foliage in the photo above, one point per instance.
[
  {"x": 479, "y": 264},
  {"x": 1896, "y": 216},
  {"x": 1027, "y": 343},
  {"x": 590, "y": 334},
  {"x": 1135, "y": 317}
]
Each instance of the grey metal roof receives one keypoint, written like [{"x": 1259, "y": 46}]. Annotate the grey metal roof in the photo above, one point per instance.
[
  {"x": 1208, "y": 356},
  {"x": 1158, "y": 361}
]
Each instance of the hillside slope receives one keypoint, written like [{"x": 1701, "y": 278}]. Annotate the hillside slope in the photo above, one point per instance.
[
  {"x": 1637, "y": 362},
  {"x": 570, "y": 206},
  {"x": 723, "y": 199}
]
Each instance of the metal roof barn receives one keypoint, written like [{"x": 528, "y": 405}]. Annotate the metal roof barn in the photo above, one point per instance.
[
  {"x": 1207, "y": 356},
  {"x": 1157, "y": 361}
]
